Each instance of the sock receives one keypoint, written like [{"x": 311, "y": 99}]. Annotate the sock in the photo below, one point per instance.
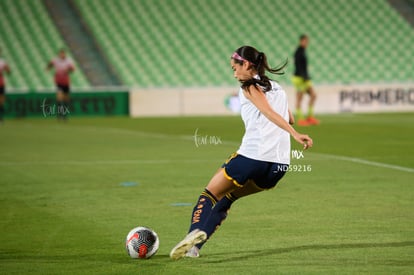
[
  {"x": 1, "y": 112},
  {"x": 299, "y": 114},
  {"x": 202, "y": 209},
  {"x": 310, "y": 112},
  {"x": 217, "y": 216}
]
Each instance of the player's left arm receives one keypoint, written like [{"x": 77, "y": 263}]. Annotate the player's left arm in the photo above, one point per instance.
[
  {"x": 258, "y": 98},
  {"x": 291, "y": 118}
]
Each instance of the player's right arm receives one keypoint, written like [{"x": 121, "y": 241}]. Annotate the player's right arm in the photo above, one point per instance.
[{"x": 291, "y": 118}]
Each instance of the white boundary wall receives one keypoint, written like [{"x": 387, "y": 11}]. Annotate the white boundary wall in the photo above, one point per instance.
[{"x": 331, "y": 99}]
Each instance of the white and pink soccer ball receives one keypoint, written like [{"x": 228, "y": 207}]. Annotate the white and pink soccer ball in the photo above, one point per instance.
[{"x": 142, "y": 243}]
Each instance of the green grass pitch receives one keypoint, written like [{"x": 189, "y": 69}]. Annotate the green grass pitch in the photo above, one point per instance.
[{"x": 65, "y": 210}]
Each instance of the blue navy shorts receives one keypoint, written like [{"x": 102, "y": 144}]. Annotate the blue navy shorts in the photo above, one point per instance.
[{"x": 239, "y": 169}]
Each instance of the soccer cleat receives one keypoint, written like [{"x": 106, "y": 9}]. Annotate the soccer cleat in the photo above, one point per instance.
[
  {"x": 312, "y": 121},
  {"x": 303, "y": 122},
  {"x": 194, "y": 252},
  {"x": 194, "y": 237}
]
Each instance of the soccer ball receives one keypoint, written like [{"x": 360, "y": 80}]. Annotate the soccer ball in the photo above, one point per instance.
[{"x": 142, "y": 243}]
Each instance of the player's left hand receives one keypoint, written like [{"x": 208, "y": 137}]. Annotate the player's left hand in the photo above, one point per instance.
[{"x": 305, "y": 140}]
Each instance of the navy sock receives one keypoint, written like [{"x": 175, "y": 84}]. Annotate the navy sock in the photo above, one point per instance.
[
  {"x": 217, "y": 216},
  {"x": 202, "y": 210}
]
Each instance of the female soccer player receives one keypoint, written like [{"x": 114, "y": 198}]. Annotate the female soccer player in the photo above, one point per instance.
[
  {"x": 4, "y": 68},
  {"x": 264, "y": 154},
  {"x": 63, "y": 66}
]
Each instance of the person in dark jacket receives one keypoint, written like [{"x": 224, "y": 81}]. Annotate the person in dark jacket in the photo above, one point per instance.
[{"x": 303, "y": 84}]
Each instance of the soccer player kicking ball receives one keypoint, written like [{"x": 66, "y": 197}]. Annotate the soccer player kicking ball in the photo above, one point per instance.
[{"x": 263, "y": 156}]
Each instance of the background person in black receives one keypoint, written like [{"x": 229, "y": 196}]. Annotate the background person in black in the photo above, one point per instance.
[{"x": 301, "y": 81}]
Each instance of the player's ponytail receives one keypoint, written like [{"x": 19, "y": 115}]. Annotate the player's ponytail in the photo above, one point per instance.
[{"x": 258, "y": 61}]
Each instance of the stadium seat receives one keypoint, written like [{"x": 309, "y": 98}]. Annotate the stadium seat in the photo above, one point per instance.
[
  {"x": 29, "y": 41},
  {"x": 155, "y": 43}
]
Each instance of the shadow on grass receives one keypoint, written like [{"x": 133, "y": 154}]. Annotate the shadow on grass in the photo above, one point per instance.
[
  {"x": 162, "y": 259},
  {"x": 17, "y": 255},
  {"x": 275, "y": 251}
]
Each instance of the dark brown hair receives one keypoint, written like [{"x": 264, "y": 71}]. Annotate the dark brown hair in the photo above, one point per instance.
[{"x": 258, "y": 61}]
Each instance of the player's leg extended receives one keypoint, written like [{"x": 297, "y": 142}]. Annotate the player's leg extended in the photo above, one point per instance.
[
  {"x": 266, "y": 181},
  {"x": 311, "y": 117},
  {"x": 220, "y": 210},
  {"x": 218, "y": 186}
]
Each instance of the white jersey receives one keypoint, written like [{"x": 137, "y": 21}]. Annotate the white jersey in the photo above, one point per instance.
[
  {"x": 62, "y": 67},
  {"x": 263, "y": 140}
]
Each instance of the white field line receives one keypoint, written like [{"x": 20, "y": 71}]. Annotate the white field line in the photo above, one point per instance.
[
  {"x": 102, "y": 162},
  {"x": 190, "y": 138},
  {"x": 366, "y": 162}
]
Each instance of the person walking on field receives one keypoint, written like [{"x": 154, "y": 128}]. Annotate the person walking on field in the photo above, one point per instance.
[{"x": 303, "y": 84}]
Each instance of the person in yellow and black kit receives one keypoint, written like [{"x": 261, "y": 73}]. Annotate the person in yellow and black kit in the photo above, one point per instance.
[{"x": 303, "y": 85}]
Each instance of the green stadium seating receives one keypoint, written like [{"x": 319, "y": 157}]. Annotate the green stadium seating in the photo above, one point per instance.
[
  {"x": 167, "y": 43},
  {"x": 181, "y": 43},
  {"x": 29, "y": 40}
]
